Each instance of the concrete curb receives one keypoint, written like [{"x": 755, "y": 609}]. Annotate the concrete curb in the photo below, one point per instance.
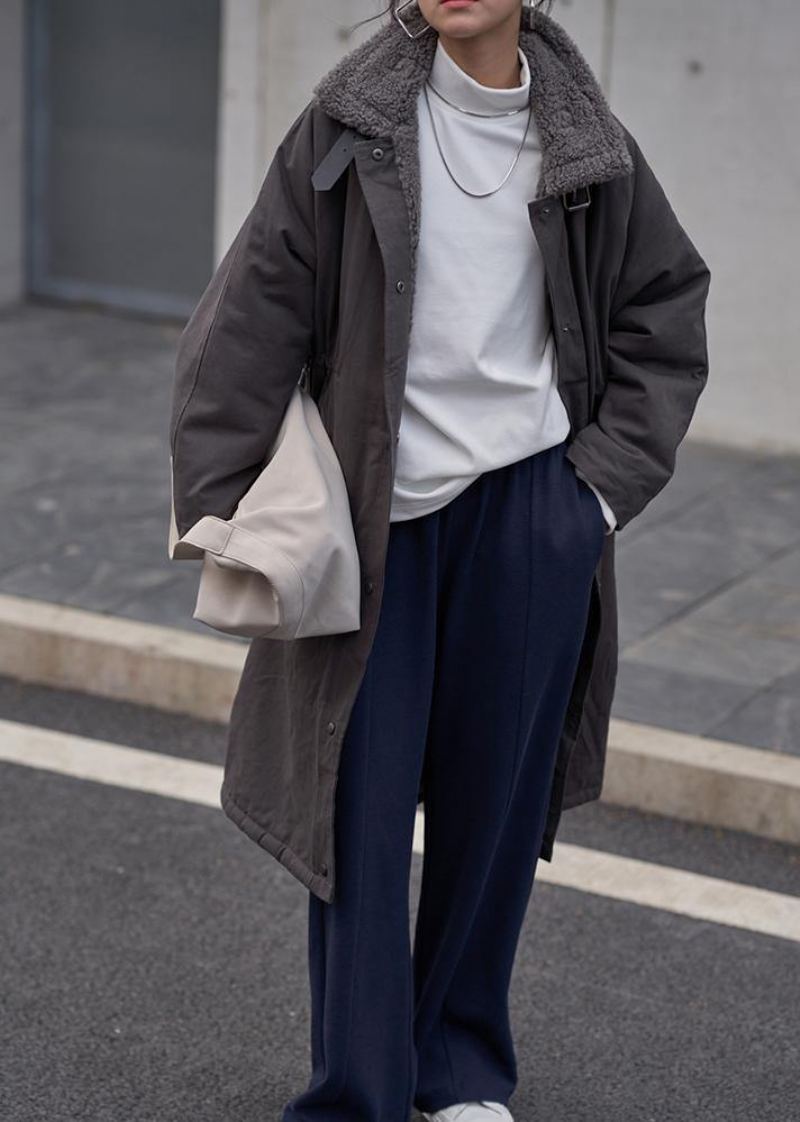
[
  {"x": 649, "y": 768},
  {"x": 702, "y": 780},
  {"x": 104, "y": 655}
]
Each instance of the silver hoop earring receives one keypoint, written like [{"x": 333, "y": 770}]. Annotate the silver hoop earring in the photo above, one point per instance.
[
  {"x": 528, "y": 14},
  {"x": 412, "y": 35}
]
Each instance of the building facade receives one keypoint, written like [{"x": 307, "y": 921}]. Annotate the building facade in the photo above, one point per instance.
[{"x": 133, "y": 138}]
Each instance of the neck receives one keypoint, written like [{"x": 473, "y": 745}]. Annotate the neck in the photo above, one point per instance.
[{"x": 490, "y": 58}]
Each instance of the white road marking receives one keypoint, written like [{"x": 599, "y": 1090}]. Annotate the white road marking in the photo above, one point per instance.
[
  {"x": 694, "y": 778},
  {"x": 585, "y": 870},
  {"x": 673, "y": 890},
  {"x": 117, "y": 766}
]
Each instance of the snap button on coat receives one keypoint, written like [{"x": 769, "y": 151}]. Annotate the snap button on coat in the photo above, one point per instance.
[
  {"x": 401, "y": 286},
  {"x": 377, "y": 153}
]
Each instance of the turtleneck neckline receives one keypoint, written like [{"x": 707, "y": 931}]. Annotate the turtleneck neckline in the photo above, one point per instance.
[{"x": 448, "y": 78}]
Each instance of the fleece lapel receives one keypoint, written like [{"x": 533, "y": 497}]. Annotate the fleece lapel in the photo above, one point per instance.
[{"x": 374, "y": 90}]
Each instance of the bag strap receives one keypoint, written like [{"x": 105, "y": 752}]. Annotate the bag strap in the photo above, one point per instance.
[
  {"x": 327, "y": 173},
  {"x": 314, "y": 373}
]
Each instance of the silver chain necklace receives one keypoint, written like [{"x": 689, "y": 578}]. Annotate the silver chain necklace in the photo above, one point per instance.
[
  {"x": 473, "y": 112},
  {"x": 505, "y": 113}
]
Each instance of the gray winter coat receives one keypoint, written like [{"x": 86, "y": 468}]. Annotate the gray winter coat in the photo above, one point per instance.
[{"x": 321, "y": 278}]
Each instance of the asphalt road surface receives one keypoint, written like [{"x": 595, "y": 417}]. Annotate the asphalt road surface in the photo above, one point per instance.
[{"x": 153, "y": 959}]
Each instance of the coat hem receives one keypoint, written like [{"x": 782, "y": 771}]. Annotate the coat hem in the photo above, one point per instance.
[
  {"x": 585, "y": 795},
  {"x": 576, "y": 798},
  {"x": 315, "y": 882}
]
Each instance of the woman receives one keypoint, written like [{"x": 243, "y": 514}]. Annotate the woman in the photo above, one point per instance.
[{"x": 503, "y": 322}]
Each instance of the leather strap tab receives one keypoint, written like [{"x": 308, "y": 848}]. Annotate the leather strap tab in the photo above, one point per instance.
[{"x": 334, "y": 162}]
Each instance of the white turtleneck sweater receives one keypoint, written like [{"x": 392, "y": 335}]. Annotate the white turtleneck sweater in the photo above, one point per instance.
[{"x": 481, "y": 388}]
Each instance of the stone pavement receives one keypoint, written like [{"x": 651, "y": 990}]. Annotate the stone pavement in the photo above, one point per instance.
[{"x": 708, "y": 574}]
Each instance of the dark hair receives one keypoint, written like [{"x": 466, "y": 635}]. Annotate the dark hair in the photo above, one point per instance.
[{"x": 538, "y": 4}]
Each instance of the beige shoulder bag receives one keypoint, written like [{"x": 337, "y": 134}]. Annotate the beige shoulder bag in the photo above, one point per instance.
[{"x": 285, "y": 565}]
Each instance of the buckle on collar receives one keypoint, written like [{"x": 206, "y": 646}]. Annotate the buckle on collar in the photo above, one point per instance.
[{"x": 576, "y": 205}]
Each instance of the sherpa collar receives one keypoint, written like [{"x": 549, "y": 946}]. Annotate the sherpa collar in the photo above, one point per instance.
[{"x": 374, "y": 89}]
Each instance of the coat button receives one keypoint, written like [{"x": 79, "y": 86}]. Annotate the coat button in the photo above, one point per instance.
[
  {"x": 566, "y": 327},
  {"x": 377, "y": 153},
  {"x": 331, "y": 726},
  {"x": 545, "y": 210},
  {"x": 323, "y": 869},
  {"x": 369, "y": 586},
  {"x": 401, "y": 286}
]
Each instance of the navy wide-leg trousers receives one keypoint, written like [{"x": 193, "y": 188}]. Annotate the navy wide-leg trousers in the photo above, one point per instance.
[{"x": 483, "y": 614}]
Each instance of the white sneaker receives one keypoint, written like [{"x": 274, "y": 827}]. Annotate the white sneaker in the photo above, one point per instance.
[{"x": 471, "y": 1112}]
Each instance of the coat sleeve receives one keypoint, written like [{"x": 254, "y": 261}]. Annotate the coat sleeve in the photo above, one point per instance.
[
  {"x": 657, "y": 359},
  {"x": 242, "y": 350}
]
